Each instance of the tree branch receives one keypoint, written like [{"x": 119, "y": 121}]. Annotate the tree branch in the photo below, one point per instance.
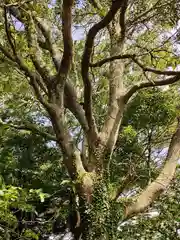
[
  {"x": 94, "y": 4},
  {"x": 15, "y": 4},
  {"x": 8, "y": 33},
  {"x": 154, "y": 189},
  {"x": 70, "y": 101},
  {"x": 85, "y": 64},
  {"x": 55, "y": 107},
  {"x": 32, "y": 128},
  {"x": 67, "y": 40},
  {"x": 143, "y": 14},
  {"x": 70, "y": 98},
  {"x": 139, "y": 86},
  {"x": 153, "y": 70},
  {"x": 45, "y": 29},
  {"x": 48, "y": 45},
  {"x": 134, "y": 59},
  {"x": 122, "y": 20},
  {"x": 34, "y": 52},
  {"x": 6, "y": 53},
  {"x": 34, "y": 78},
  {"x": 110, "y": 59},
  {"x": 114, "y": 115}
]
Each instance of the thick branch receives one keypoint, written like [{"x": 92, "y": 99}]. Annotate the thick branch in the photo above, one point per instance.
[
  {"x": 70, "y": 99},
  {"x": 154, "y": 189},
  {"x": 84, "y": 152},
  {"x": 122, "y": 20},
  {"x": 86, "y": 59},
  {"x": 112, "y": 122},
  {"x": 33, "y": 41},
  {"x": 70, "y": 102},
  {"x": 48, "y": 44},
  {"x": 136, "y": 87},
  {"x": 35, "y": 79},
  {"x": 45, "y": 29},
  {"x": 67, "y": 38}
]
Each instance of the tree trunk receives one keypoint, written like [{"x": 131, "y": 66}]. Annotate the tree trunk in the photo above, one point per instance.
[{"x": 95, "y": 209}]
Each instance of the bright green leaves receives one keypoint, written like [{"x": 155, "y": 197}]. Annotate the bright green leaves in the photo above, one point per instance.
[
  {"x": 38, "y": 193},
  {"x": 147, "y": 126},
  {"x": 129, "y": 132},
  {"x": 151, "y": 108},
  {"x": 29, "y": 234},
  {"x": 12, "y": 197}
]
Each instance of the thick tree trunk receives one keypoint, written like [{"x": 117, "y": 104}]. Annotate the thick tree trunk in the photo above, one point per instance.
[{"x": 96, "y": 221}]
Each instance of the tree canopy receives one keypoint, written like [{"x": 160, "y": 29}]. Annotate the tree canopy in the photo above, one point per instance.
[{"x": 89, "y": 118}]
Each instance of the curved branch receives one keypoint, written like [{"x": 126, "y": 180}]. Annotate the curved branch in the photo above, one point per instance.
[
  {"x": 70, "y": 97},
  {"x": 153, "y": 70},
  {"x": 139, "y": 86},
  {"x": 85, "y": 64},
  {"x": 155, "y": 188},
  {"x": 67, "y": 39},
  {"x": 133, "y": 57},
  {"x": 45, "y": 29},
  {"x": 110, "y": 59}
]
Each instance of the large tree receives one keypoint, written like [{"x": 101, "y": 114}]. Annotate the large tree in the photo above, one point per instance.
[{"x": 86, "y": 102}]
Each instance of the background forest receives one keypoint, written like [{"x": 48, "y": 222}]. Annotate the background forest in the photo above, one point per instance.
[{"x": 56, "y": 63}]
